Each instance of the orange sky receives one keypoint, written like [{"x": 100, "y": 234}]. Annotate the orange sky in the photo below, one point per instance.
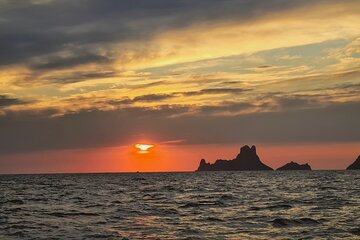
[{"x": 174, "y": 158}]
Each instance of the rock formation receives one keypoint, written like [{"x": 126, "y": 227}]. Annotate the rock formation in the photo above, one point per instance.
[
  {"x": 294, "y": 166},
  {"x": 355, "y": 165},
  {"x": 246, "y": 160}
]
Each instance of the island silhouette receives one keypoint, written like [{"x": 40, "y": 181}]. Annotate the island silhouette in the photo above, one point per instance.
[
  {"x": 355, "y": 165},
  {"x": 246, "y": 160},
  {"x": 294, "y": 166}
]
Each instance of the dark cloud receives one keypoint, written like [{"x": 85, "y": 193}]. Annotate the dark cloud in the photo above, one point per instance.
[
  {"x": 226, "y": 107},
  {"x": 341, "y": 76},
  {"x": 120, "y": 102},
  {"x": 147, "y": 85},
  {"x": 153, "y": 97},
  {"x": 166, "y": 96},
  {"x": 31, "y": 30},
  {"x": 231, "y": 82},
  {"x": 215, "y": 91},
  {"x": 298, "y": 101},
  {"x": 349, "y": 88},
  {"x": 6, "y": 101},
  {"x": 81, "y": 76},
  {"x": 73, "y": 77},
  {"x": 75, "y": 60},
  {"x": 316, "y": 98},
  {"x": 29, "y": 115},
  {"x": 142, "y": 98},
  {"x": 26, "y": 131}
]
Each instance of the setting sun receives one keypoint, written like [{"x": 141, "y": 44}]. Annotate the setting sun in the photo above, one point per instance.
[{"x": 144, "y": 148}]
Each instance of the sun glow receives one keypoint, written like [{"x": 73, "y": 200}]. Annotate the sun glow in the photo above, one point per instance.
[{"x": 144, "y": 148}]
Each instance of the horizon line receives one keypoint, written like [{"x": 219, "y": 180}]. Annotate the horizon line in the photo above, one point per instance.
[{"x": 71, "y": 173}]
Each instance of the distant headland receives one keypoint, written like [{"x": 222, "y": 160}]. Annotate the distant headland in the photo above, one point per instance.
[
  {"x": 246, "y": 160},
  {"x": 355, "y": 165},
  {"x": 294, "y": 166}
]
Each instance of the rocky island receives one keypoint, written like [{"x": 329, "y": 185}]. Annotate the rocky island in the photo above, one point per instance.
[
  {"x": 294, "y": 166},
  {"x": 246, "y": 160},
  {"x": 355, "y": 165}
]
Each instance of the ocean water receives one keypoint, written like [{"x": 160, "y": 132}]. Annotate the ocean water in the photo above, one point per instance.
[{"x": 206, "y": 205}]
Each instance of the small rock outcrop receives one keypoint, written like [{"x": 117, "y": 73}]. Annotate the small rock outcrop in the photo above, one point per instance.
[
  {"x": 294, "y": 166},
  {"x": 355, "y": 165},
  {"x": 246, "y": 160}
]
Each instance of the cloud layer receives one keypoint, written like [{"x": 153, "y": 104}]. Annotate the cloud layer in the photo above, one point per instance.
[{"x": 94, "y": 73}]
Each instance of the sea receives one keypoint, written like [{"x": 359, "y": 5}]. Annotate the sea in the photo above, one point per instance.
[{"x": 192, "y": 205}]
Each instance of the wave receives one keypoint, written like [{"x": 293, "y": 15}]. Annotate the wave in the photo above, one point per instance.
[
  {"x": 272, "y": 207},
  {"x": 170, "y": 211},
  {"x": 71, "y": 214},
  {"x": 284, "y": 222},
  {"x": 201, "y": 204},
  {"x": 103, "y": 236},
  {"x": 13, "y": 201},
  {"x": 355, "y": 231},
  {"x": 214, "y": 219},
  {"x": 227, "y": 197}
]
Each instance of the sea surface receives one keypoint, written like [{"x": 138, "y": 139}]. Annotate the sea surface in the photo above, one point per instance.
[{"x": 206, "y": 205}]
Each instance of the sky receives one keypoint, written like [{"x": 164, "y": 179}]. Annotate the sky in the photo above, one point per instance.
[{"x": 82, "y": 81}]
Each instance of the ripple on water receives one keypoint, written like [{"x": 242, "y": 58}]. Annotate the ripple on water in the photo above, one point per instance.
[
  {"x": 214, "y": 205},
  {"x": 71, "y": 214},
  {"x": 355, "y": 231},
  {"x": 272, "y": 207},
  {"x": 284, "y": 222}
]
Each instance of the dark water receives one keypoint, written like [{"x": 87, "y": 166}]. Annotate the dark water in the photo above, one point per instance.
[{"x": 218, "y": 205}]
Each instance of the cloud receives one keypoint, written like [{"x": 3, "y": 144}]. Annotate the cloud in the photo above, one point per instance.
[
  {"x": 211, "y": 91},
  {"x": 75, "y": 59},
  {"x": 153, "y": 97},
  {"x": 72, "y": 77},
  {"x": 142, "y": 98},
  {"x": 226, "y": 107},
  {"x": 264, "y": 66},
  {"x": 113, "y": 128},
  {"x": 166, "y": 96},
  {"x": 30, "y": 29},
  {"x": 295, "y": 102},
  {"x": 249, "y": 70},
  {"x": 6, "y": 101}
]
